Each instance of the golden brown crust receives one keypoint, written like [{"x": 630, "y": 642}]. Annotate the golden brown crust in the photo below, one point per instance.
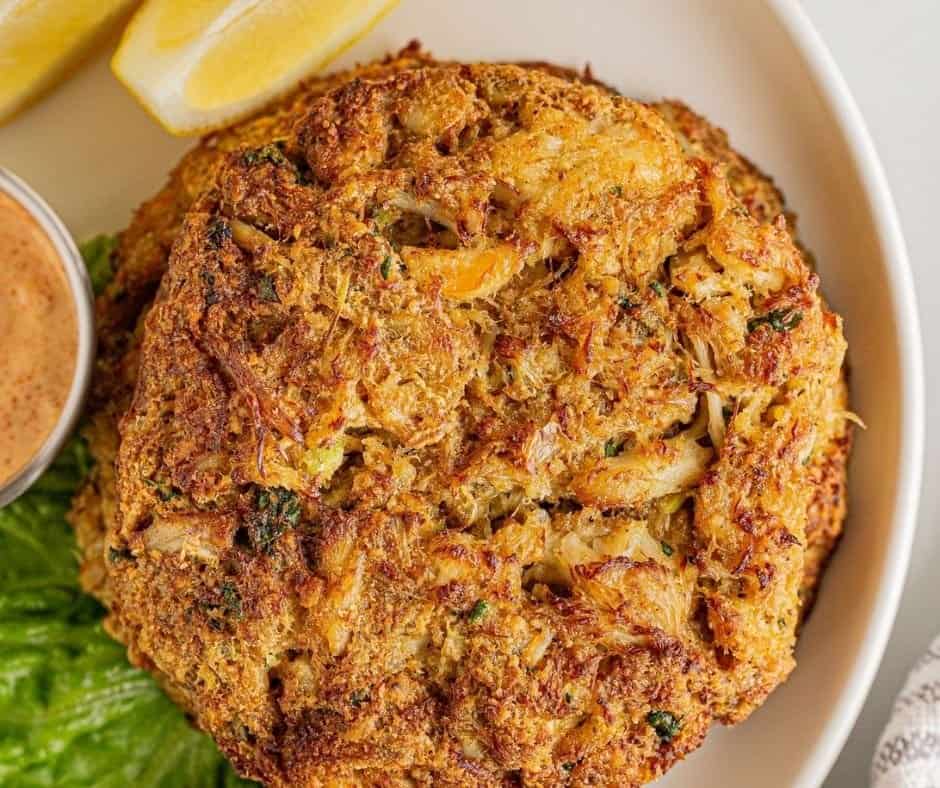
[
  {"x": 140, "y": 262},
  {"x": 765, "y": 203},
  {"x": 828, "y": 508},
  {"x": 475, "y": 437}
]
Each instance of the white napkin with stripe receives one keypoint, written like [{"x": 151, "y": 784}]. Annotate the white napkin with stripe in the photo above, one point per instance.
[{"x": 908, "y": 754}]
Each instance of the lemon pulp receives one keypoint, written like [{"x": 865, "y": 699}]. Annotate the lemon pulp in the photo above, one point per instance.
[
  {"x": 200, "y": 65},
  {"x": 41, "y": 39}
]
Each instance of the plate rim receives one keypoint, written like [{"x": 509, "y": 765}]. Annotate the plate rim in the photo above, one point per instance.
[
  {"x": 893, "y": 252},
  {"x": 900, "y": 523}
]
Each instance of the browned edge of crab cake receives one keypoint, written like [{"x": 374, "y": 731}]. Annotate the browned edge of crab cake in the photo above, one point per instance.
[
  {"x": 145, "y": 246},
  {"x": 744, "y": 655},
  {"x": 139, "y": 263},
  {"x": 765, "y": 202}
]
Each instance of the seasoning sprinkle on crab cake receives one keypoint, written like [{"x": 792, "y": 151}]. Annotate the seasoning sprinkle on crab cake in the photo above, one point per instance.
[{"x": 463, "y": 425}]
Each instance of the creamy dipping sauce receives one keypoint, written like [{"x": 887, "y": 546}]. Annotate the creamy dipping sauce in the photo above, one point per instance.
[{"x": 38, "y": 337}]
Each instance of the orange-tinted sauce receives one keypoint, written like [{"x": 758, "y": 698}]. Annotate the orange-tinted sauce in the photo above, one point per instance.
[{"x": 38, "y": 337}]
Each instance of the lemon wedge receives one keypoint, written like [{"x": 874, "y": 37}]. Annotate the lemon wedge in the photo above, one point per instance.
[
  {"x": 40, "y": 40},
  {"x": 200, "y": 65}
]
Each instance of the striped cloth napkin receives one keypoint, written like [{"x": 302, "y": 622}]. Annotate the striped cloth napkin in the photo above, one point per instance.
[{"x": 908, "y": 754}]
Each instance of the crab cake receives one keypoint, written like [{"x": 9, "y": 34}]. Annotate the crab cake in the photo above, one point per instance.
[{"x": 479, "y": 430}]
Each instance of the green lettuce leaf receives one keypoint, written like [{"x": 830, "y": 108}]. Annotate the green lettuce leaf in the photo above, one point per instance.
[
  {"x": 97, "y": 255},
  {"x": 73, "y": 712}
]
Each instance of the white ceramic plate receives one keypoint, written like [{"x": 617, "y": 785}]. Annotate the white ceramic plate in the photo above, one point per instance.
[{"x": 760, "y": 71}]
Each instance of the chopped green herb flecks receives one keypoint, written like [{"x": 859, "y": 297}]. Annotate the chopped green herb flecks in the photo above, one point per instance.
[
  {"x": 116, "y": 555},
  {"x": 667, "y": 548},
  {"x": 358, "y": 698},
  {"x": 266, "y": 153},
  {"x": 625, "y": 303},
  {"x": 616, "y": 190},
  {"x": 657, "y": 288},
  {"x": 164, "y": 491},
  {"x": 279, "y": 502},
  {"x": 382, "y": 217},
  {"x": 479, "y": 611},
  {"x": 386, "y": 267},
  {"x": 266, "y": 289},
  {"x": 211, "y": 295},
  {"x": 276, "y": 510},
  {"x": 665, "y": 723},
  {"x": 218, "y": 233},
  {"x": 612, "y": 448},
  {"x": 780, "y": 320},
  {"x": 231, "y": 599},
  {"x": 568, "y": 766},
  {"x": 222, "y": 607}
]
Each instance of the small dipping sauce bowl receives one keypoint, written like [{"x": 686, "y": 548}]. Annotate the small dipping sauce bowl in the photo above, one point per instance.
[{"x": 79, "y": 286}]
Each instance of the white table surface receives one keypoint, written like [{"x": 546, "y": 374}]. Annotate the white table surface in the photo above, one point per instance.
[{"x": 889, "y": 53}]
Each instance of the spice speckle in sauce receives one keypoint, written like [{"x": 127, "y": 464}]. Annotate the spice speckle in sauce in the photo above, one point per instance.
[{"x": 38, "y": 337}]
